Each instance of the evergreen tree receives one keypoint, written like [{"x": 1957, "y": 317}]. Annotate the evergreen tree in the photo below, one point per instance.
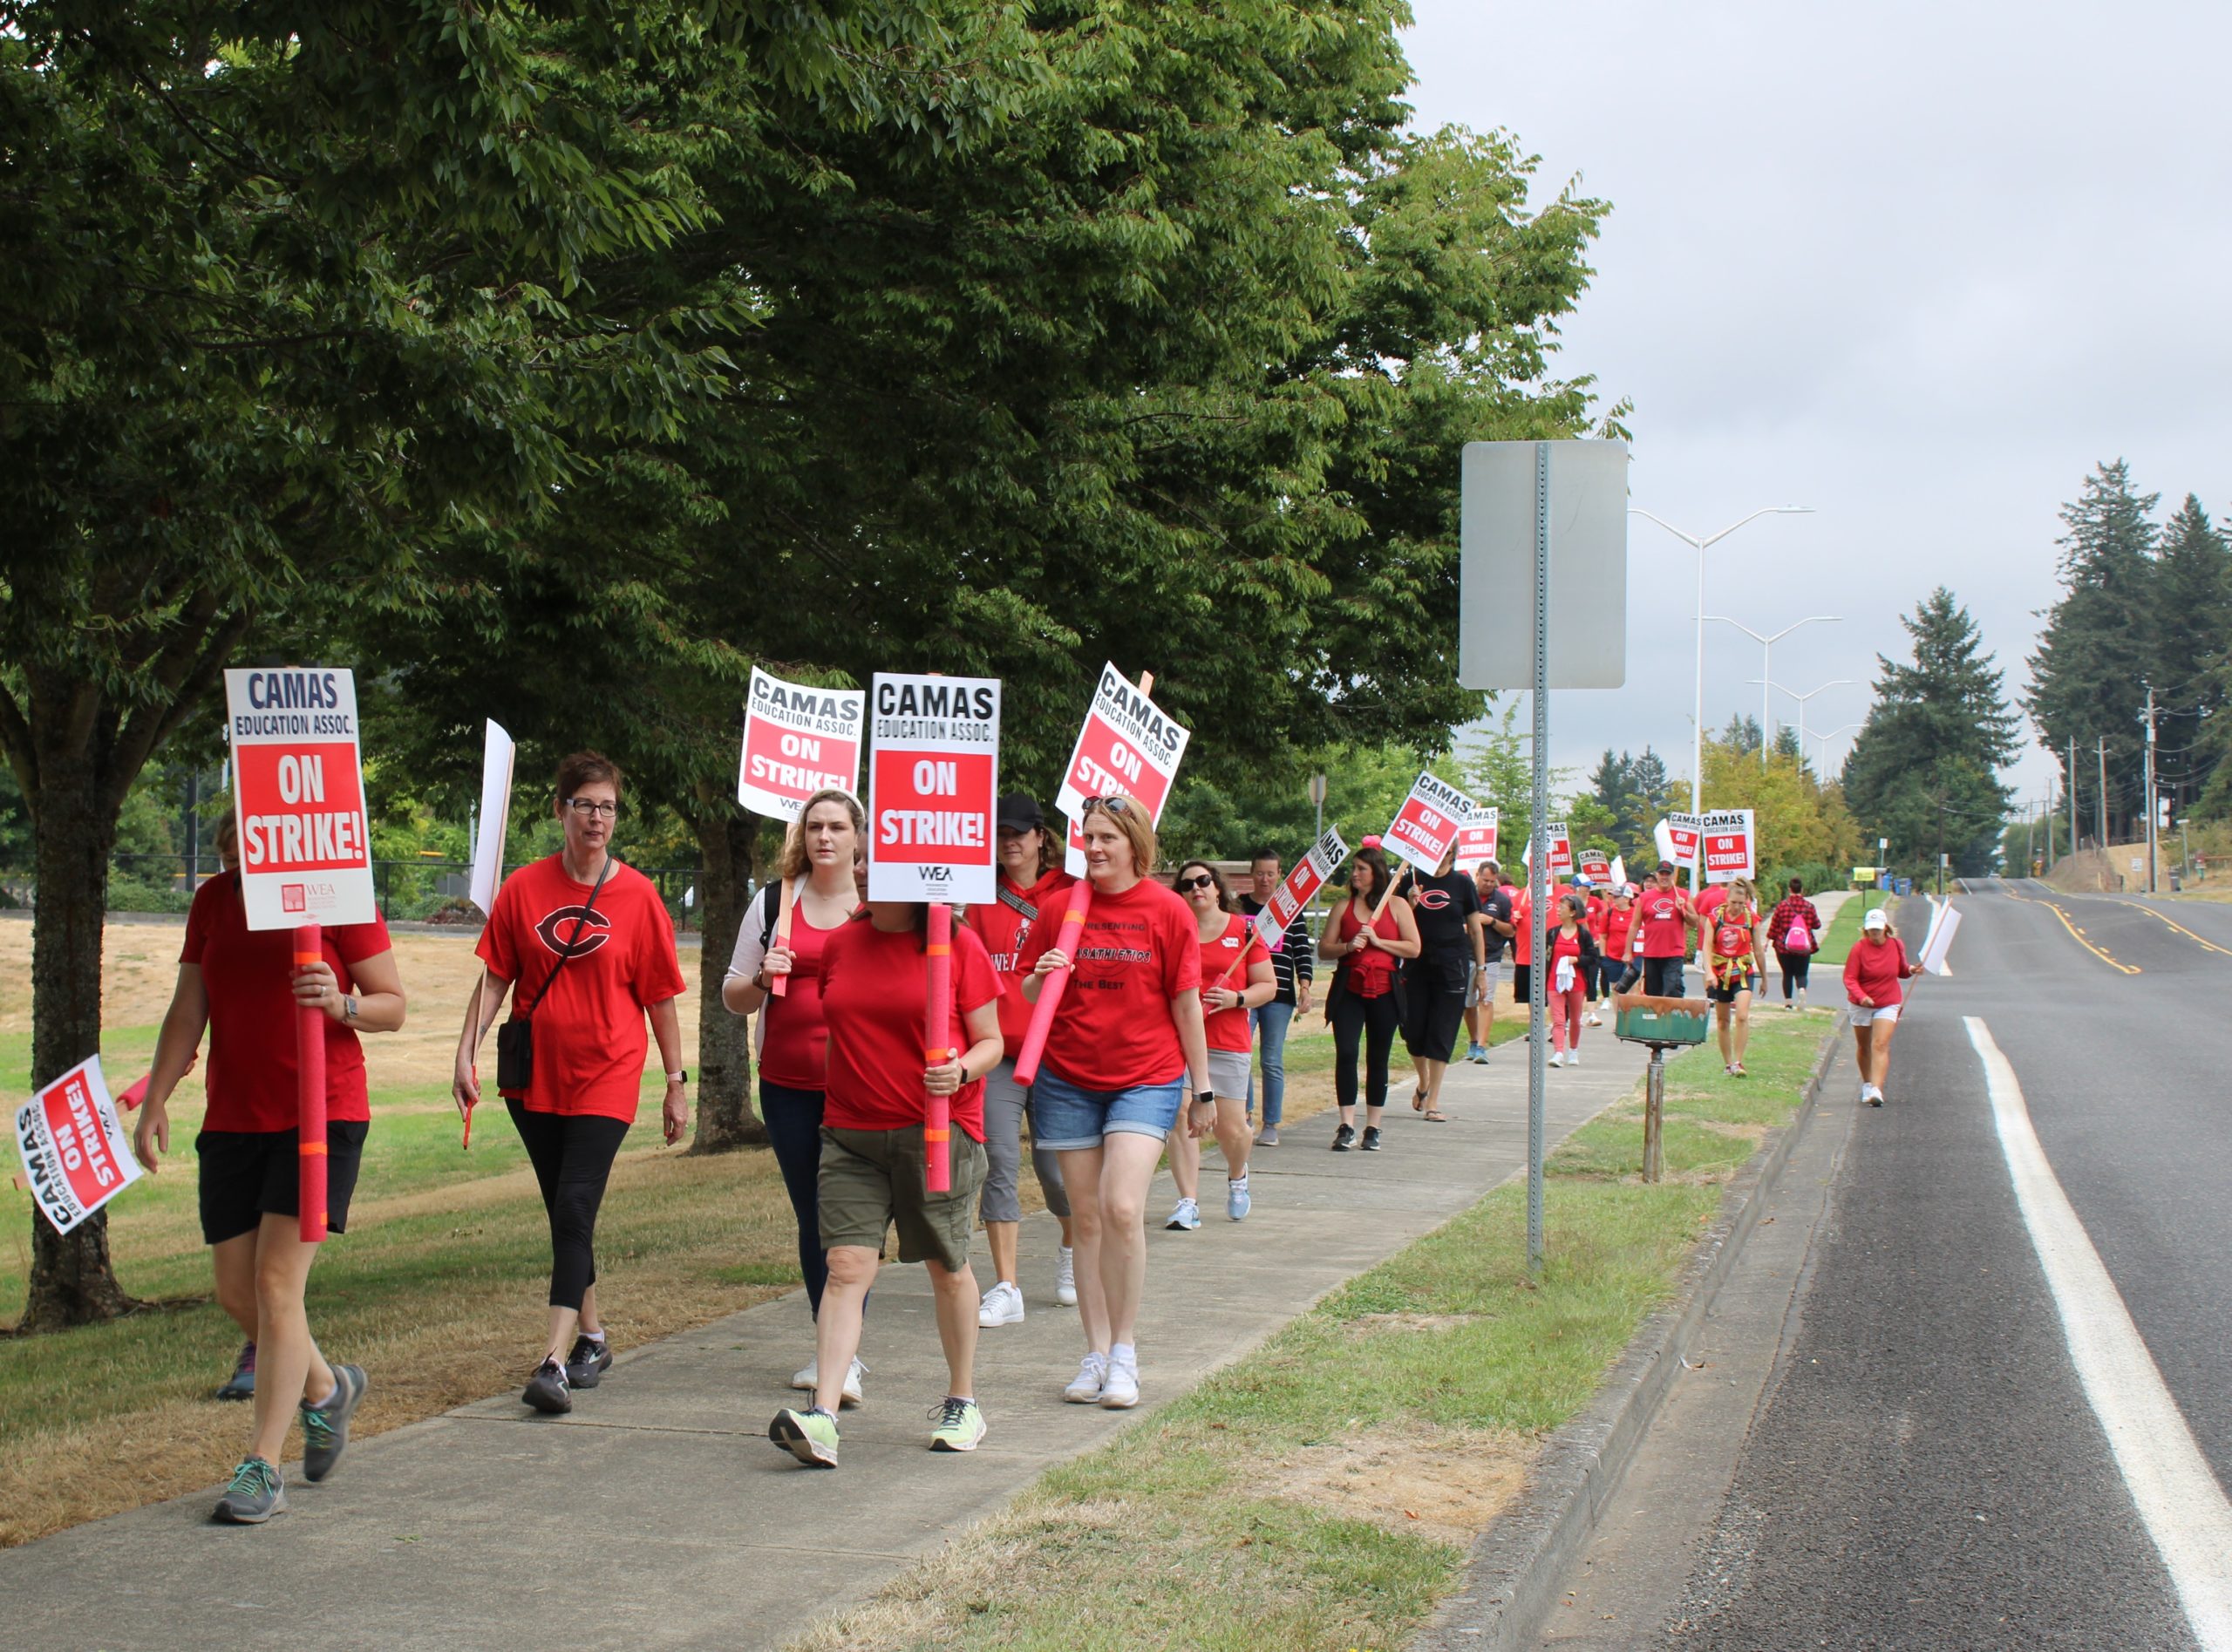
[
  {"x": 1787, "y": 741},
  {"x": 2191, "y": 627},
  {"x": 1743, "y": 733},
  {"x": 2089, "y": 673},
  {"x": 1610, "y": 784},
  {"x": 1922, "y": 772}
]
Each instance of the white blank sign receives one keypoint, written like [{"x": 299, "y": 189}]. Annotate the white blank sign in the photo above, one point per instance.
[{"x": 1589, "y": 566}]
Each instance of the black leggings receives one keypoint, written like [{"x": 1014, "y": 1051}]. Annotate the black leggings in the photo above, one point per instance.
[
  {"x": 1374, "y": 1021},
  {"x": 1795, "y": 965},
  {"x": 572, "y": 1154},
  {"x": 793, "y": 1121}
]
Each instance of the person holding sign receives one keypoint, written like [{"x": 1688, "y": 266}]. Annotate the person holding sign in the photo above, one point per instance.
[
  {"x": 1031, "y": 890},
  {"x": 1236, "y": 977},
  {"x": 1292, "y": 969},
  {"x": 781, "y": 939},
  {"x": 1666, "y": 918},
  {"x": 588, "y": 944},
  {"x": 243, "y": 985},
  {"x": 1874, "y": 968},
  {"x": 873, "y": 984},
  {"x": 1368, "y": 936},
  {"x": 1120, "y": 1057},
  {"x": 1452, "y": 947},
  {"x": 1733, "y": 956}
]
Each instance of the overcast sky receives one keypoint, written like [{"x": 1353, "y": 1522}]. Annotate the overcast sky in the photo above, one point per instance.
[{"x": 1920, "y": 266}]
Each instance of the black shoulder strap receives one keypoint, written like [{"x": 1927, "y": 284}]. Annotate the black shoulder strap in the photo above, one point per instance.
[
  {"x": 572, "y": 941},
  {"x": 1010, "y": 899},
  {"x": 770, "y": 896}
]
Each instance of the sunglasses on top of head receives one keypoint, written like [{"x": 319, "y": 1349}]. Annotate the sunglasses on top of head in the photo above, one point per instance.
[
  {"x": 1113, "y": 805},
  {"x": 1203, "y": 881}
]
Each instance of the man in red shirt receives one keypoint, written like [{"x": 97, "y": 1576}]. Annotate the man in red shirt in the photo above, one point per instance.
[{"x": 1667, "y": 919}]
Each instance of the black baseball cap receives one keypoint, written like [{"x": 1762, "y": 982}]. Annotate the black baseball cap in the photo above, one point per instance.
[
  {"x": 1019, "y": 812},
  {"x": 1665, "y": 866}
]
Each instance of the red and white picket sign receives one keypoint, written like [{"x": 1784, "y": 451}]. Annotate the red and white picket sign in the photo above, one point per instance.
[
  {"x": 1426, "y": 827},
  {"x": 934, "y": 782},
  {"x": 1594, "y": 864},
  {"x": 1308, "y": 877},
  {"x": 1678, "y": 836},
  {"x": 798, "y": 740},
  {"x": 1730, "y": 844},
  {"x": 76, "y": 1156},
  {"x": 1476, "y": 840},
  {"x": 1127, "y": 748},
  {"x": 298, "y": 798},
  {"x": 1560, "y": 849}
]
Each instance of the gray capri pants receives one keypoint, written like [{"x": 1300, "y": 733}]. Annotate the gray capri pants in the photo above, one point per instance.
[{"x": 1005, "y": 1103}]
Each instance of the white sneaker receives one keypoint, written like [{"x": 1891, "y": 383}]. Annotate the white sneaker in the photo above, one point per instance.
[
  {"x": 1085, "y": 1387},
  {"x": 1186, "y": 1218},
  {"x": 1065, "y": 1278},
  {"x": 853, "y": 1394},
  {"x": 1003, "y": 1305},
  {"x": 1573, "y": 1058},
  {"x": 1119, "y": 1390},
  {"x": 1591, "y": 1020},
  {"x": 1557, "y": 1057},
  {"x": 810, "y": 1379}
]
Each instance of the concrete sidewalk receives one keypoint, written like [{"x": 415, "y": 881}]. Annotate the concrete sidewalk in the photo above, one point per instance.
[{"x": 657, "y": 1514}]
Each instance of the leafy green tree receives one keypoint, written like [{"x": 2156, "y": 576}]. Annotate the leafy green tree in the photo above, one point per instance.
[
  {"x": 2089, "y": 672},
  {"x": 293, "y": 308},
  {"x": 1923, "y": 770}
]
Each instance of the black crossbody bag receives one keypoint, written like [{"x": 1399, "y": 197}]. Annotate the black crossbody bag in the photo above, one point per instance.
[{"x": 515, "y": 1038}]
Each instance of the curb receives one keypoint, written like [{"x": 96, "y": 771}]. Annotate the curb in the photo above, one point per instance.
[{"x": 1510, "y": 1581}]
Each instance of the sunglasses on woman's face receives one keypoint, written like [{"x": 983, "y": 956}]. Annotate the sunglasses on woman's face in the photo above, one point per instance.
[{"x": 1205, "y": 881}]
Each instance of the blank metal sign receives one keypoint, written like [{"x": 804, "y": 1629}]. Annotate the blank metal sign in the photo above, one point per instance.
[{"x": 1589, "y": 566}]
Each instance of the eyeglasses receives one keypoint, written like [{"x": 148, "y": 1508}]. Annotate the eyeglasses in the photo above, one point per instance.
[
  {"x": 1205, "y": 881},
  {"x": 1111, "y": 806},
  {"x": 586, "y": 807}
]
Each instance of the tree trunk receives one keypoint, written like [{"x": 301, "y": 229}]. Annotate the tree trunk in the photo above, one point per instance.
[
  {"x": 71, "y": 1279},
  {"x": 725, "y": 1120}
]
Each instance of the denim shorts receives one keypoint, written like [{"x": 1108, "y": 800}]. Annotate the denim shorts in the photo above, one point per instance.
[{"x": 1066, "y": 1118}]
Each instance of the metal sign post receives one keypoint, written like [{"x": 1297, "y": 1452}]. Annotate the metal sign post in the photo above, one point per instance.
[{"x": 1530, "y": 507}]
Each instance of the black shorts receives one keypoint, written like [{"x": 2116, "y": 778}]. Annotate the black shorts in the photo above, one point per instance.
[
  {"x": 1433, "y": 1006},
  {"x": 1719, "y": 994},
  {"x": 249, "y": 1174},
  {"x": 1522, "y": 983}
]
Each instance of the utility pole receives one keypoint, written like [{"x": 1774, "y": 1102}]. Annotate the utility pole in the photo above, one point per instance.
[
  {"x": 2071, "y": 788},
  {"x": 2029, "y": 838},
  {"x": 2103, "y": 801},
  {"x": 2150, "y": 789}
]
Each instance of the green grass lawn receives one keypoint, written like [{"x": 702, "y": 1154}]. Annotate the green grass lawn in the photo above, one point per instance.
[
  {"x": 1844, "y": 929},
  {"x": 1321, "y": 1493}
]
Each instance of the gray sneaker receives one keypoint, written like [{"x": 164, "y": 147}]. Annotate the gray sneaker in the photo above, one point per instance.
[
  {"x": 325, "y": 1428},
  {"x": 254, "y": 1497},
  {"x": 1268, "y": 1137},
  {"x": 241, "y": 1383}
]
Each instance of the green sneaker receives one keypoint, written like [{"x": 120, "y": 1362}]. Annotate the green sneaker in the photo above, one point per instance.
[
  {"x": 960, "y": 1426},
  {"x": 809, "y": 1436},
  {"x": 325, "y": 1427},
  {"x": 254, "y": 1497}
]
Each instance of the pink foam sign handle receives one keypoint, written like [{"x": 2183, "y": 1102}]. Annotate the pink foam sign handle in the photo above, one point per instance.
[
  {"x": 1050, "y": 994},
  {"x": 309, "y": 1097},
  {"x": 937, "y": 1120}
]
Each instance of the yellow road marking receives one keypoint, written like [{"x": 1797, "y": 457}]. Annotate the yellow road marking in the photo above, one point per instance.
[
  {"x": 2077, "y": 935},
  {"x": 2206, "y": 946}
]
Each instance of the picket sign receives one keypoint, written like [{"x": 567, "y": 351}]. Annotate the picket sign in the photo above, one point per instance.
[
  {"x": 1594, "y": 866},
  {"x": 498, "y": 752},
  {"x": 1426, "y": 827},
  {"x": 306, "y": 855},
  {"x": 933, "y": 784},
  {"x": 1729, "y": 845},
  {"x": 1936, "y": 946},
  {"x": 1128, "y": 747},
  {"x": 1309, "y": 876},
  {"x": 1678, "y": 836},
  {"x": 798, "y": 740},
  {"x": 1561, "y": 851},
  {"x": 1476, "y": 840},
  {"x": 76, "y": 1157}
]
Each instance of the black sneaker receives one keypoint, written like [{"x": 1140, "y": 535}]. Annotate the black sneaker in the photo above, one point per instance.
[
  {"x": 325, "y": 1428},
  {"x": 585, "y": 1366},
  {"x": 254, "y": 1497},
  {"x": 1371, "y": 1138},
  {"x": 547, "y": 1390},
  {"x": 1344, "y": 1137},
  {"x": 241, "y": 1383}
]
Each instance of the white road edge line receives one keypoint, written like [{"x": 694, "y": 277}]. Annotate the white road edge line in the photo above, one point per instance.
[{"x": 2184, "y": 1508}]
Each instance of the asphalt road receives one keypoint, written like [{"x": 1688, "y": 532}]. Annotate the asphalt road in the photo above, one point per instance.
[{"x": 1910, "y": 1460}]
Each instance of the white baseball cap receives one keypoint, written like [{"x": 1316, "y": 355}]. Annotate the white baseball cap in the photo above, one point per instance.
[{"x": 1876, "y": 919}]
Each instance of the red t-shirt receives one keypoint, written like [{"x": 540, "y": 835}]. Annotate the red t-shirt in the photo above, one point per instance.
[
  {"x": 1372, "y": 972},
  {"x": 1873, "y": 969},
  {"x": 1731, "y": 933},
  {"x": 589, "y": 1036},
  {"x": 1523, "y": 927},
  {"x": 249, "y": 976},
  {"x": 1618, "y": 922},
  {"x": 793, "y": 1039},
  {"x": 1665, "y": 929},
  {"x": 1710, "y": 898},
  {"x": 1114, "y": 1030},
  {"x": 1594, "y": 916},
  {"x": 1227, "y": 1029},
  {"x": 1563, "y": 946},
  {"x": 874, "y": 990},
  {"x": 1006, "y": 932}
]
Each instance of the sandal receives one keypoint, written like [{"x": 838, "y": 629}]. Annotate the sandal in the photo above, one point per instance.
[
  {"x": 1435, "y": 1116},
  {"x": 1417, "y": 1102}
]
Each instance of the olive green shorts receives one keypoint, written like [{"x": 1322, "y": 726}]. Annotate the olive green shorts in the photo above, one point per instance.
[{"x": 873, "y": 1178}]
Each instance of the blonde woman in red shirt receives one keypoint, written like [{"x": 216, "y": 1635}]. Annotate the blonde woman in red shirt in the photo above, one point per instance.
[
  {"x": 1124, "y": 1049},
  {"x": 244, "y": 987},
  {"x": 1874, "y": 968},
  {"x": 1236, "y": 976}
]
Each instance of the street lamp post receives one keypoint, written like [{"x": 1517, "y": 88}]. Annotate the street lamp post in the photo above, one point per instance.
[
  {"x": 1834, "y": 734},
  {"x": 1700, "y": 542},
  {"x": 1840, "y": 682},
  {"x": 1768, "y": 668}
]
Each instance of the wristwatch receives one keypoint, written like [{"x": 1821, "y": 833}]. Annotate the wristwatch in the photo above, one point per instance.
[
  {"x": 1204, "y": 1098},
  {"x": 682, "y": 1077},
  {"x": 347, "y": 1008}
]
